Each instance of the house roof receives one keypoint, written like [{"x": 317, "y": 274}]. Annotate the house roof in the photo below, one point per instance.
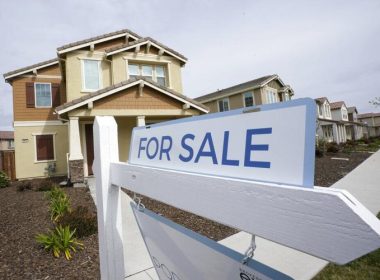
[
  {"x": 7, "y": 135},
  {"x": 143, "y": 41},
  {"x": 259, "y": 82},
  {"x": 103, "y": 37},
  {"x": 352, "y": 109},
  {"x": 337, "y": 105},
  {"x": 30, "y": 68},
  {"x": 321, "y": 99},
  {"x": 368, "y": 115},
  {"x": 76, "y": 103}
]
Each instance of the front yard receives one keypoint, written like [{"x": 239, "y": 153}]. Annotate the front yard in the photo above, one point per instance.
[{"x": 23, "y": 214}]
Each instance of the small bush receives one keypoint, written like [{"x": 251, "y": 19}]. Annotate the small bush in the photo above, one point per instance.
[
  {"x": 82, "y": 220},
  {"x": 23, "y": 186},
  {"x": 59, "y": 203},
  {"x": 319, "y": 152},
  {"x": 61, "y": 240},
  {"x": 332, "y": 147},
  {"x": 44, "y": 186},
  {"x": 4, "y": 180}
]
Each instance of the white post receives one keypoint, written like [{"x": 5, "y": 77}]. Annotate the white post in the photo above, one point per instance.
[
  {"x": 140, "y": 120},
  {"x": 75, "y": 147},
  {"x": 108, "y": 200}
]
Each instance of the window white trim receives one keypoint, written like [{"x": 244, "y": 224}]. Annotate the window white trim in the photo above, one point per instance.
[
  {"x": 35, "y": 147},
  {"x": 153, "y": 65},
  {"x": 35, "y": 95},
  {"x": 253, "y": 98},
  {"x": 100, "y": 78},
  {"x": 271, "y": 95},
  {"x": 223, "y": 100}
]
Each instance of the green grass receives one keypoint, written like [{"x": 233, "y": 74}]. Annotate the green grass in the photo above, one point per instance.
[{"x": 365, "y": 268}]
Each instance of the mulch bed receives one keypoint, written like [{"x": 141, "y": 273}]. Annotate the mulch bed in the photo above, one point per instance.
[{"x": 25, "y": 214}]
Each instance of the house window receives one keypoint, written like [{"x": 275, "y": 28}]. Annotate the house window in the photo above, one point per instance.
[
  {"x": 344, "y": 114},
  {"x": 43, "y": 95},
  {"x": 156, "y": 73},
  {"x": 271, "y": 96},
  {"x": 91, "y": 74},
  {"x": 11, "y": 144},
  {"x": 248, "y": 99},
  {"x": 327, "y": 110},
  {"x": 287, "y": 97},
  {"x": 45, "y": 147},
  {"x": 224, "y": 105}
]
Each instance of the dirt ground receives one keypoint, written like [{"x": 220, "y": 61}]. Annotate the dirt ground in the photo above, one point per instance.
[{"x": 25, "y": 214}]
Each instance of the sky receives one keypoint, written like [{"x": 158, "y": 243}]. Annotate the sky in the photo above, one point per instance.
[{"x": 320, "y": 48}]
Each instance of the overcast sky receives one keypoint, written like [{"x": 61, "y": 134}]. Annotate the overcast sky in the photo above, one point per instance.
[{"x": 321, "y": 48}]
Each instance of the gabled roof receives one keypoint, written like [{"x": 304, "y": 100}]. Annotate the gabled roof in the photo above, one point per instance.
[
  {"x": 79, "y": 102},
  {"x": 321, "y": 99},
  {"x": 337, "y": 105},
  {"x": 97, "y": 39},
  {"x": 145, "y": 41},
  {"x": 352, "y": 109},
  {"x": 256, "y": 83},
  {"x": 7, "y": 135},
  {"x": 368, "y": 115},
  {"x": 30, "y": 68}
]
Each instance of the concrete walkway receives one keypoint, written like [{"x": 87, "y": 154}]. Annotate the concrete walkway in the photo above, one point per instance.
[{"x": 363, "y": 183}]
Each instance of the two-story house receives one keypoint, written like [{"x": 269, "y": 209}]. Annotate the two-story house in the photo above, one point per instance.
[
  {"x": 264, "y": 90},
  {"x": 137, "y": 80},
  {"x": 371, "y": 124}
]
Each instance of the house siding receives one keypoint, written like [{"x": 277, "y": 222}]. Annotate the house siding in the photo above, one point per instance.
[{"x": 26, "y": 167}]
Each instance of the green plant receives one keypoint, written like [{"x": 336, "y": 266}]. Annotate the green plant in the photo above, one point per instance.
[
  {"x": 4, "y": 180},
  {"x": 82, "y": 220},
  {"x": 23, "y": 186},
  {"x": 62, "y": 239},
  {"x": 59, "y": 203},
  {"x": 332, "y": 147}
]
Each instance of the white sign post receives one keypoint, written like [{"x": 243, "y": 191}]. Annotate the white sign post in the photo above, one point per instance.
[{"x": 251, "y": 169}]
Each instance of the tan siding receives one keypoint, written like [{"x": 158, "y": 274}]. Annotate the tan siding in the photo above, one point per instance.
[
  {"x": 51, "y": 70},
  {"x": 275, "y": 84},
  {"x": 213, "y": 106},
  {"x": 258, "y": 97},
  {"x": 130, "y": 99},
  {"x": 236, "y": 101},
  {"x": 21, "y": 113}
]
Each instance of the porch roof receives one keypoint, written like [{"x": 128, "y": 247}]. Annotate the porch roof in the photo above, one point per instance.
[{"x": 79, "y": 102}]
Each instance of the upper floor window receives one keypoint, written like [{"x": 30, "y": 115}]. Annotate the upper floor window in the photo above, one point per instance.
[
  {"x": 91, "y": 74},
  {"x": 344, "y": 114},
  {"x": 43, "y": 98},
  {"x": 248, "y": 99},
  {"x": 224, "y": 105},
  {"x": 327, "y": 110},
  {"x": 156, "y": 73},
  {"x": 271, "y": 95},
  {"x": 287, "y": 96}
]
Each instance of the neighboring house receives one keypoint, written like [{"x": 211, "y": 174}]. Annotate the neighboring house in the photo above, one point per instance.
[
  {"x": 6, "y": 140},
  {"x": 336, "y": 122},
  {"x": 264, "y": 90},
  {"x": 137, "y": 80},
  {"x": 371, "y": 124}
]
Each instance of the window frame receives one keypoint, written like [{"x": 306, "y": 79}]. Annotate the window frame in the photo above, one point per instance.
[
  {"x": 228, "y": 104},
  {"x": 11, "y": 144},
  {"x": 154, "y": 73},
  {"x": 244, "y": 97},
  {"x": 35, "y": 95},
  {"x": 273, "y": 93},
  {"x": 100, "y": 80},
  {"x": 35, "y": 147}
]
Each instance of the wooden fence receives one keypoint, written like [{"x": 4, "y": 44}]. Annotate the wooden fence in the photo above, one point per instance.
[{"x": 7, "y": 163}]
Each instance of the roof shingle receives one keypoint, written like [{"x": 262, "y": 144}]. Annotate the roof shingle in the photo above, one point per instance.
[
  {"x": 30, "y": 67},
  {"x": 7, "y": 135}
]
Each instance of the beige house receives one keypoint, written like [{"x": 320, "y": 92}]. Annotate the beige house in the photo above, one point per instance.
[
  {"x": 137, "y": 80},
  {"x": 371, "y": 124},
  {"x": 264, "y": 90}
]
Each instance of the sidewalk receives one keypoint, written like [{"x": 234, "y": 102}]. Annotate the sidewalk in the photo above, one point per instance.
[{"x": 363, "y": 182}]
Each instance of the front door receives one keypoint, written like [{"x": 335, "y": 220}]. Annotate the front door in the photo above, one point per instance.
[{"x": 89, "y": 147}]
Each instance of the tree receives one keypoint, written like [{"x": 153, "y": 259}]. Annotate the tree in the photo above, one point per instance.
[{"x": 376, "y": 101}]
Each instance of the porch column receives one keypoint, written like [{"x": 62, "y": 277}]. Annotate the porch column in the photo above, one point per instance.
[
  {"x": 75, "y": 153},
  {"x": 140, "y": 120}
]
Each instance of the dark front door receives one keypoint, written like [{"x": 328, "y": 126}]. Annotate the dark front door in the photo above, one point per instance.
[{"x": 89, "y": 147}]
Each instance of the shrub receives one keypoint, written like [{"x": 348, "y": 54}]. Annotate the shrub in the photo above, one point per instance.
[
  {"x": 60, "y": 240},
  {"x": 82, "y": 220},
  {"x": 4, "y": 180},
  {"x": 44, "y": 186},
  {"x": 332, "y": 147},
  {"x": 23, "y": 186},
  {"x": 59, "y": 203},
  {"x": 319, "y": 152}
]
